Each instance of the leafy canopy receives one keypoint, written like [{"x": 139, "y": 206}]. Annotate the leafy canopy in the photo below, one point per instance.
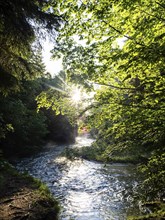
[{"x": 132, "y": 77}]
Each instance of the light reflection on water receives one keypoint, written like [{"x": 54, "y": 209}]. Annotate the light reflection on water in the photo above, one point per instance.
[{"x": 86, "y": 190}]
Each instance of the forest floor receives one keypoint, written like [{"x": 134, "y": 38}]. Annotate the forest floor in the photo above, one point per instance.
[{"x": 23, "y": 198}]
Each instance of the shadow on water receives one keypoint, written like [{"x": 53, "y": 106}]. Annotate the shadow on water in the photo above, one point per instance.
[{"x": 85, "y": 189}]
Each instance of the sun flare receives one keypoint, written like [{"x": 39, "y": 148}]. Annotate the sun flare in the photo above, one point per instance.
[{"x": 76, "y": 95}]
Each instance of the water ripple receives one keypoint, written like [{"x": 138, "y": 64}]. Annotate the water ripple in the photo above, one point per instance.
[{"x": 86, "y": 190}]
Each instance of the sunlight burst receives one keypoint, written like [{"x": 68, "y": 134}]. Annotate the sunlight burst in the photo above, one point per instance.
[{"x": 76, "y": 95}]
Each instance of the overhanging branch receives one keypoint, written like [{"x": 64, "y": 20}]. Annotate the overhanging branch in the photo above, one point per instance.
[
  {"x": 161, "y": 5},
  {"x": 115, "y": 87},
  {"x": 126, "y": 36}
]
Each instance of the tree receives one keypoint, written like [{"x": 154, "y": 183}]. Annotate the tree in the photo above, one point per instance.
[
  {"x": 23, "y": 128},
  {"x": 132, "y": 76},
  {"x": 21, "y": 24},
  {"x": 130, "y": 107}
]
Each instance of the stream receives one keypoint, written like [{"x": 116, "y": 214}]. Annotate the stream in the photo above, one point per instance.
[{"x": 86, "y": 190}]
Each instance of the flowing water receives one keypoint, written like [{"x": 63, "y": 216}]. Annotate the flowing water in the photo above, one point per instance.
[{"x": 86, "y": 190}]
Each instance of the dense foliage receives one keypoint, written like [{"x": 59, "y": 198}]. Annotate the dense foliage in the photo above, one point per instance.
[
  {"x": 121, "y": 49},
  {"x": 21, "y": 22},
  {"x": 23, "y": 27},
  {"x": 20, "y": 58},
  {"x": 26, "y": 127}
]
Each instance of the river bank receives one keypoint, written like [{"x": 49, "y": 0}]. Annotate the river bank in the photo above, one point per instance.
[
  {"x": 85, "y": 189},
  {"x": 23, "y": 197}
]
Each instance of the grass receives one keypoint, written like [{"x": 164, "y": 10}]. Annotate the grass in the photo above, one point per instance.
[
  {"x": 87, "y": 153},
  {"x": 95, "y": 153},
  {"x": 158, "y": 212}
]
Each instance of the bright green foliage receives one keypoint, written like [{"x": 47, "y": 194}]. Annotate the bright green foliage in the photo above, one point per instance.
[
  {"x": 155, "y": 176},
  {"x": 101, "y": 23},
  {"x": 58, "y": 97},
  {"x": 59, "y": 103},
  {"x": 129, "y": 110}
]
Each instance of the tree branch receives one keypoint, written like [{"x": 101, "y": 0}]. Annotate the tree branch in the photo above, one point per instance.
[
  {"x": 132, "y": 105},
  {"x": 115, "y": 87},
  {"x": 129, "y": 38},
  {"x": 161, "y": 5},
  {"x": 159, "y": 18}
]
